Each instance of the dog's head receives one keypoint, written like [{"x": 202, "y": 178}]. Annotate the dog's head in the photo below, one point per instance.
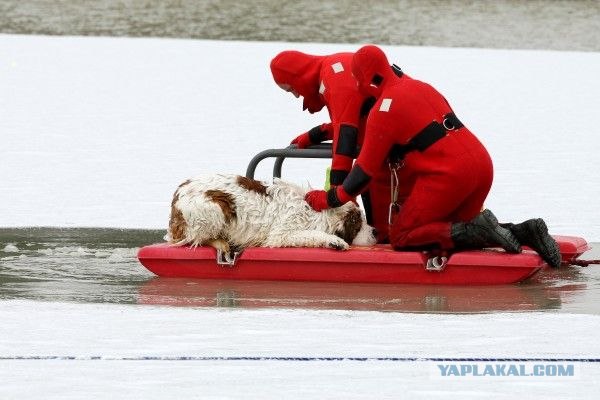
[
  {"x": 350, "y": 224},
  {"x": 347, "y": 222}
]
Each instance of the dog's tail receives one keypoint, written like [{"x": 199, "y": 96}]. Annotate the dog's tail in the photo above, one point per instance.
[{"x": 169, "y": 239}]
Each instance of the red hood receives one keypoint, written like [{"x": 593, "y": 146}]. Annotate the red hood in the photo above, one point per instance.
[
  {"x": 301, "y": 71},
  {"x": 371, "y": 69}
]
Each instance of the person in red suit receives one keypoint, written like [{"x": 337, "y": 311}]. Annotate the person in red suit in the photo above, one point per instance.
[
  {"x": 326, "y": 81},
  {"x": 412, "y": 126}
]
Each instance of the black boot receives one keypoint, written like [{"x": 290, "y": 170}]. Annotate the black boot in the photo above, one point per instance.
[
  {"x": 483, "y": 231},
  {"x": 534, "y": 233}
]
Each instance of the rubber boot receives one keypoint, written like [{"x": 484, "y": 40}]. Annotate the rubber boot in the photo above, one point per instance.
[
  {"x": 483, "y": 231},
  {"x": 534, "y": 233}
]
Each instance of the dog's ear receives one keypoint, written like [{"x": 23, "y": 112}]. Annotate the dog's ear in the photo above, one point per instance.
[{"x": 349, "y": 221}]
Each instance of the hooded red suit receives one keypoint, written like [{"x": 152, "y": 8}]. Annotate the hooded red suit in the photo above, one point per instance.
[
  {"x": 412, "y": 120},
  {"x": 328, "y": 81}
]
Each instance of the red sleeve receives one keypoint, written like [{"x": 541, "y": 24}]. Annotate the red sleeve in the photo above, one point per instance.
[
  {"x": 376, "y": 147},
  {"x": 320, "y": 133},
  {"x": 344, "y": 108},
  {"x": 328, "y": 129}
]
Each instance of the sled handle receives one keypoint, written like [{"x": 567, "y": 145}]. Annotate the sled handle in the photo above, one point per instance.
[{"x": 322, "y": 150}]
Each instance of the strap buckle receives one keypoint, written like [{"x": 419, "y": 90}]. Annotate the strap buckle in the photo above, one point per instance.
[
  {"x": 451, "y": 122},
  {"x": 448, "y": 124},
  {"x": 229, "y": 259},
  {"x": 436, "y": 264}
]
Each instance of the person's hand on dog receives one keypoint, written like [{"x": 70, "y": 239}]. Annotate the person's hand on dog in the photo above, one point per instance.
[{"x": 317, "y": 199}]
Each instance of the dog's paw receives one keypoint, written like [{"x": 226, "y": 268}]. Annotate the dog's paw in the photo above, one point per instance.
[{"x": 338, "y": 245}]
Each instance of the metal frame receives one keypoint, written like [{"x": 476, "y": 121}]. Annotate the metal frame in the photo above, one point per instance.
[{"x": 323, "y": 150}]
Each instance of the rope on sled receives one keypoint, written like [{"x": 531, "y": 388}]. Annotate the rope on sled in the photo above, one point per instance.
[{"x": 582, "y": 263}]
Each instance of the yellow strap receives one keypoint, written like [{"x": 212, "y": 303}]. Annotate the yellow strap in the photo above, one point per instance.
[{"x": 327, "y": 173}]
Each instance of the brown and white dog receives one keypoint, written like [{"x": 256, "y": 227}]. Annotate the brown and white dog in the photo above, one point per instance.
[{"x": 231, "y": 212}]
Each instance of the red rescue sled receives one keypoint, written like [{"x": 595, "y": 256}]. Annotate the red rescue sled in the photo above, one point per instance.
[{"x": 377, "y": 264}]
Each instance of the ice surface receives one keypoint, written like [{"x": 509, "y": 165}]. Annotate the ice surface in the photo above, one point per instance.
[{"x": 115, "y": 333}]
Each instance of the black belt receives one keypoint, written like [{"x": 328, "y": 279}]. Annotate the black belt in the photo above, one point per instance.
[{"x": 428, "y": 136}]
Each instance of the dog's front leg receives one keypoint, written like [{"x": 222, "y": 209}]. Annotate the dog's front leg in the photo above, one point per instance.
[
  {"x": 306, "y": 238},
  {"x": 219, "y": 245}
]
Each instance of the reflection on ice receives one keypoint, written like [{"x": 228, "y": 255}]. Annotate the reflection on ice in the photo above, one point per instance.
[{"x": 351, "y": 296}]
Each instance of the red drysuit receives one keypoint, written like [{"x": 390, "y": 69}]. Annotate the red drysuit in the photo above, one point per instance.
[
  {"x": 453, "y": 171},
  {"x": 328, "y": 81}
]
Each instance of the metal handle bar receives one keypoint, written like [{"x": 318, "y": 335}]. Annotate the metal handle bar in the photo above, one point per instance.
[{"x": 322, "y": 150}]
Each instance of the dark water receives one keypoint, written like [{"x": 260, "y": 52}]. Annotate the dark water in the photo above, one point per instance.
[
  {"x": 514, "y": 24},
  {"x": 88, "y": 265},
  {"x": 100, "y": 266}
]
